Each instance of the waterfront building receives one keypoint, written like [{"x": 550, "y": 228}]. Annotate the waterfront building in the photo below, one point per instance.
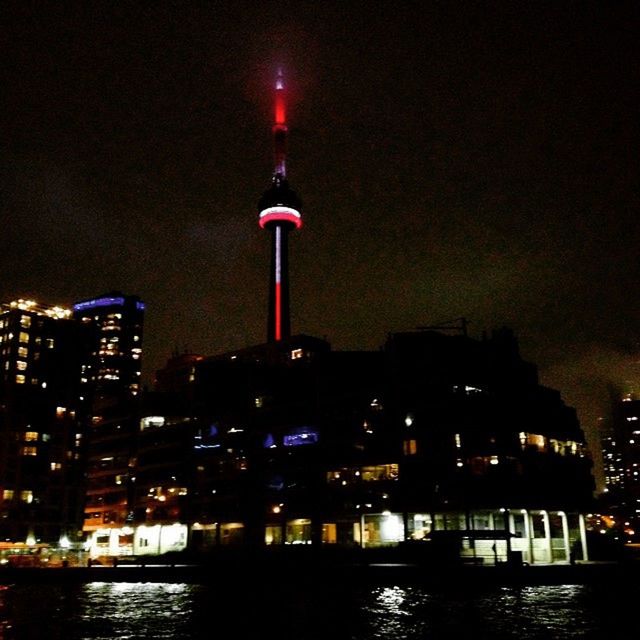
[
  {"x": 110, "y": 382},
  {"x": 41, "y": 430},
  {"x": 436, "y": 440}
]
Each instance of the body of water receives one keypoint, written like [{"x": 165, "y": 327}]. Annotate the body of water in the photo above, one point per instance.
[{"x": 119, "y": 610}]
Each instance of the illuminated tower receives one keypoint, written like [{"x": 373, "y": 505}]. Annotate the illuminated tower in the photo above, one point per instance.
[{"x": 279, "y": 210}]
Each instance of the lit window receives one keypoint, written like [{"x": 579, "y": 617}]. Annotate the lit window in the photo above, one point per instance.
[
  {"x": 380, "y": 472},
  {"x": 259, "y": 401},
  {"x": 20, "y": 379},
  {"x": 21, "y": 365},
  {"x": 23, "y": 337},
  {"x": 29, "y": 451},
  {"x": 7, "y": 494},
  {"x": 26, "y": 496},
  {"x": 30, "y": 436},
  {"x": 60, "y": 411},
  {"x": 152, "y": 421},
  {"x": 458, "y": 441},
  {"x": 23, "y": 352},
  {"x": 50, "y": 343},
  {"x": 56, "y": 466},
  {"x": 296, "y": 354},
  {"x": 25, "y": 322},
  {"x": 410, "y": 447}
]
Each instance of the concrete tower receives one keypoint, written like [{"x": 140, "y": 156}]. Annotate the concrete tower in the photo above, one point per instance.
[{"x": 279, "y": 212}]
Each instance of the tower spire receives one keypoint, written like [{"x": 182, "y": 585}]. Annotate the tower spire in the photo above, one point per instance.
[
  {"x": 280, "y": 129},
  {"x": 279, "y": 212}
]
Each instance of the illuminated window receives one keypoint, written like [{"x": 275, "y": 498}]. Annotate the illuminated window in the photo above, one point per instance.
[
  {"x": 50, "y": 343},
  {"x": 60, "y": 411},
  {"x": 20, "y": 379},
  {"x": 380, "y": 472},
  {"x": 21, "y": 365},
  {"x": 259, "y": 401},
  {"x": 23, "y": 352},
  {"x": 532, "y": 441},
  {"x": 56, "y": 466},
  {"x": 458, "y": 441},
  {"x": 151, "y": 422},
  {"x": 23, "y": 337},
  {"x": 296, "y": 354},
  {"x": 409, "y": 447},
  {"x": 30, "y": 436},
  {"x": 26, "y": 496},
  {"x": 29, "y": 451},
  {"x": 7, "y": 494},
  {"x": 25, "y": 322}
]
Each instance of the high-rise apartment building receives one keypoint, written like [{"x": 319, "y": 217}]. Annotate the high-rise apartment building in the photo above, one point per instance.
[
  {"x": 41, "y": 435},
  {"x": 113, "y": 366}
]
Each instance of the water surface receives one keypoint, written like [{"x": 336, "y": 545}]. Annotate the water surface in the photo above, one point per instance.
[{"x": 119, "y": 611}]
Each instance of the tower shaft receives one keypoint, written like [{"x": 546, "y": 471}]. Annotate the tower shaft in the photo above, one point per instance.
[{"x": 279, "y": 321}]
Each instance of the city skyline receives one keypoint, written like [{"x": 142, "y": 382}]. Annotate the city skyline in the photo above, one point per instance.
[{"x": 473, "y": 163}]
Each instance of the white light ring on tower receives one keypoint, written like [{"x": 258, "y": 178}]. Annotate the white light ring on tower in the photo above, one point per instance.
[{"x": 280, "y": 214}]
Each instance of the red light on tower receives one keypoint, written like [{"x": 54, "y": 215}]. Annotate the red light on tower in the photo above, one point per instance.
[{"x": 279, "y": 212}]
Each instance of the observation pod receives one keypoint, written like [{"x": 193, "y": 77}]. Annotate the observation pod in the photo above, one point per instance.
[{"x": 280, "y": 204}]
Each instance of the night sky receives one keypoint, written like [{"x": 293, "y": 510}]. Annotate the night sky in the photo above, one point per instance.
[{"x": 454, "y": 159}]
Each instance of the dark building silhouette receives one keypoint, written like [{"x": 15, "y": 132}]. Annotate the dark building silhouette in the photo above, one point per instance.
[
  {"x": 291, "y": 443},
  {"x": 41, "y": 430}
]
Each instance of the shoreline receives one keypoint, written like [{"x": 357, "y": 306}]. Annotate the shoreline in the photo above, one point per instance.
[{"x": 356, "y": 573}]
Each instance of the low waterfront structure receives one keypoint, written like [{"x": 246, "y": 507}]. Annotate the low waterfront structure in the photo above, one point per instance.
[{"x": 436, "y": 440}]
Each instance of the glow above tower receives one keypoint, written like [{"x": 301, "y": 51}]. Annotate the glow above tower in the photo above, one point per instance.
[{"x": 279, "y": 212}]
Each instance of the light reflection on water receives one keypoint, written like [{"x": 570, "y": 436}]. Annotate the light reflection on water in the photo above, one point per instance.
[
  {"x": 502, "y": 612},
  {"x": 132, "y": 611}
]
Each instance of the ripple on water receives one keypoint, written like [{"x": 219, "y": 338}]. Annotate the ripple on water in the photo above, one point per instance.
[{"x": 303, "y": 611}]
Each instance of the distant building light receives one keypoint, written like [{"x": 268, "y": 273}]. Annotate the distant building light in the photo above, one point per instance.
[
  {"x": 300, "y": 436},
  {"x": 99, "y": 302},
  {"x": 151, "y": 422}
]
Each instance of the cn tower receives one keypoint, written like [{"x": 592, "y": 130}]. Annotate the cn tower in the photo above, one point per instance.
[{"x": 279, "y": 212}]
